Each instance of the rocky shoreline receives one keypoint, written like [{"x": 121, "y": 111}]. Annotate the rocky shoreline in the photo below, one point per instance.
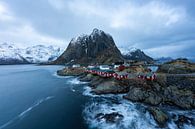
[
  {"x": 166, "y": 90},
  {"x": 172, "y": 86}
]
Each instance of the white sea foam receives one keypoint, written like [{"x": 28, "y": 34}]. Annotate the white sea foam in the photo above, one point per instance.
[
  {"x": 21, "y": 115},
  {"x": 132, "y": 117},
  {"x": 24, "y": 113},
  {"x": 135, "y": 116},
  {"x": 6, "y": 124},
  {"x": 73, "y": 90},
  {"x": 76, "y": 81},
  {"x": 88, "y": 92},
  {"x": 188, "y": 113},
  {"x": 56, "y": 75}
]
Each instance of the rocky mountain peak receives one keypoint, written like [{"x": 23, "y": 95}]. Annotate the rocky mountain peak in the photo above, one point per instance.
[
  {"x": 78, "y": 39},
  {"x": 97, "y": 32},
  {"x": 98, "y": 47},
  {"x": 133, "y": 53},
  {"x": 95, "y": 35}
]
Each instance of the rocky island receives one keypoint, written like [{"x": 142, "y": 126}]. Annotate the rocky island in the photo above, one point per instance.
[{"x": 172, "y": 86}]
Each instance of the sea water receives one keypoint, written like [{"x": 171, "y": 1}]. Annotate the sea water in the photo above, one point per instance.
[{"x": 34, "y": 97}]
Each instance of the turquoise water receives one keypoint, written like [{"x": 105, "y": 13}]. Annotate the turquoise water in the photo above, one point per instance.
[{"x": 33, "y": 97}]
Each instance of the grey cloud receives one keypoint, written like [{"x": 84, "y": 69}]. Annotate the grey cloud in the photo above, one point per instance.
[{"x": 145, "y": 24}]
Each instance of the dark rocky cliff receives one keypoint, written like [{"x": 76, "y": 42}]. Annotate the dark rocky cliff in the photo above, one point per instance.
[{"x": 98, "y": 47}]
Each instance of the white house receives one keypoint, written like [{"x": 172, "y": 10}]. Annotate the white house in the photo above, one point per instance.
[
  {"x": 91, "y": 66},
  {"x": 104, "y": 67},
  {"x": 76, "y": 65},
  {"x": 116, "y": 66}
]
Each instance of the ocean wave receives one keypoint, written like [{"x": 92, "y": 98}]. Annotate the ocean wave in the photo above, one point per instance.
[
  {"x": 56, "y": 75},
  {"x": 132, "y": 117},
  {"x": 72, "y": 89},
  {"x": 87, "y": 91},
  {"x": 76, "y": 81},
  {"x": 21, "y": 115},
  {"x": 24, "y": 113},
  {"x": 135, "y": 115}
]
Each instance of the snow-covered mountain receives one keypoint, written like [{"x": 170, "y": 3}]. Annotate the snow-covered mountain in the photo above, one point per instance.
[
  {"x": 41, "y": 53},
  {"x": 127, "y": 51},
  {"x": 97, "y": 47},
  {"x": 135, "y": 54},
  {"x": 163, "y": 60},
  {"x": 12, "y": 54}
]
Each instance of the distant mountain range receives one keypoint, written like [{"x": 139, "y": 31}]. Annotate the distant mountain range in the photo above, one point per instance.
[
  {"x": 95, "y": 48},
  {"x": 163, "y": 60},
  {"x": 135, "y": 54},
  {"x": 11, "y": 54}
]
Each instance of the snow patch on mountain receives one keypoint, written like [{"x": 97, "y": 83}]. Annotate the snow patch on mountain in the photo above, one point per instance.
[
  {"x": 83, "y": 37},
  {"x": 127, "y": 51},
  {"x": 133, "y": 53},
  {"x": 78, "y": 39}
]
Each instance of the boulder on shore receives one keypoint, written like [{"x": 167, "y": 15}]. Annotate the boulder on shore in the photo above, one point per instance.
[
  {"x": 113, "y": 117},
  {"x": 110, "y": 86},
  {"x": 159, "y": 116},
  {"x": 86, "y": 77},
  {"x": 180, "y": 120}
]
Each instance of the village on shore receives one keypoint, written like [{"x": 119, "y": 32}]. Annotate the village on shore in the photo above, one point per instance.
[
  {"x": 169, "y": 84},
  {"x": 117, "y": 70},
  {"x": 95, "y": 58}
]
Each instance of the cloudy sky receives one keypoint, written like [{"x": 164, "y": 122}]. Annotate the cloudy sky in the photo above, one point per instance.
[{"x": 159, "y": 27}]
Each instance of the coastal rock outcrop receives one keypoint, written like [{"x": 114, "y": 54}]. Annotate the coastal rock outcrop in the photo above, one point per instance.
[
  {"x": 160, "y": 116},
  {"x": 98, "y": 47},
  {"x": 110, "y": 87},
  {"x": 179, "y": 66},
  {"x": 136, "y": 69},
  {"x": 143, "y": 94},
  {"x": 161, "y": 91},
  {"x": 113, "y": 117},
  {"x": 166, "y": 90},
  {"x": 71, "y": 72},
  {"x": 181, "y": 120},
  {"x": 101, "y": 85}
]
